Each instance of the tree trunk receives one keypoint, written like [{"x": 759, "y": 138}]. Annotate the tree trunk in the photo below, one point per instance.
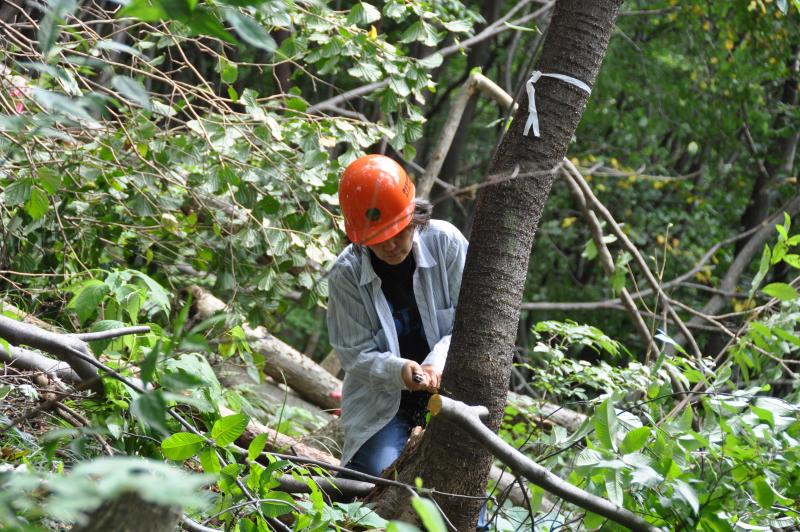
[
  {"x": 780, "y": 156},
  {"x": 129, "y": 513},
  {"x": 508, "y": 212}
]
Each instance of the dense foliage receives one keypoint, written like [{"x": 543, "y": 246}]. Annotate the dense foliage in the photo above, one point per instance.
[{"x": 160, "y": 144}]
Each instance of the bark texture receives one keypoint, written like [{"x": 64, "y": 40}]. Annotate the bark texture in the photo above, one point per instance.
[
  {"x": 129, "y": 513},
  {"x": 522, "y": 172}
]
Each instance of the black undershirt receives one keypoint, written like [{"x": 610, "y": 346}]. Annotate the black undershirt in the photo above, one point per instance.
[{"x": 397, "y": 283}]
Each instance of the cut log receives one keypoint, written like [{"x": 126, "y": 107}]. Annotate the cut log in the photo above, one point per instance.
[
  {"x": 268, "y": 392},
  {"x": 279, "y": 443},
  {"x": 561, "y": 416},
  {"x": 283, "y": 363},
  {"x": 28, "y": 360}
]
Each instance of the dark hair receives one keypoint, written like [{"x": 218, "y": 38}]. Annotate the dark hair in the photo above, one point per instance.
[{"x": 422, "y": 213}]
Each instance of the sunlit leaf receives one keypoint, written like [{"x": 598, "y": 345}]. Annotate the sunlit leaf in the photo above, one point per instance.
[{"x": 181, "y": 446}]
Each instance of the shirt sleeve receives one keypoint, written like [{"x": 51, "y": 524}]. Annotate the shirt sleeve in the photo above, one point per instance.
[
  {"x": 455, "y": 257},
  {"x": 353, "y": 340}
]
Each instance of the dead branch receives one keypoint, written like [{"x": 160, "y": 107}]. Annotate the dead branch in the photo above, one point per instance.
[
  {"x": 595, "y": 204},
  {"x": 607, "y": 261},
  {"x": 469, "y": 419},
  {"x": 33, "y": 361},
  {"x": 66, "y": 348}
]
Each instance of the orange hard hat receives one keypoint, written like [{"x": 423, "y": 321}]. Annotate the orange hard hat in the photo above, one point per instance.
[{"x": 377, "y": 199}]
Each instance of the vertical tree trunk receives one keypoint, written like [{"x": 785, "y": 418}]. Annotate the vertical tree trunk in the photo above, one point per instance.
[
  {"x": 129, "y": 513},
  {"x": 478, "y": 56},
  {"x": 780, "y": 156},
  {"x": 508, "y": 212}
]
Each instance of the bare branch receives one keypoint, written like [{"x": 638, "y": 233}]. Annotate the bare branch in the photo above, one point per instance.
[{"x": 468, "y": 418}]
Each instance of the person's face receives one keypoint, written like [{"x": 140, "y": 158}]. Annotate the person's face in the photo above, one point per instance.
[{"x": 396, "y": 249}]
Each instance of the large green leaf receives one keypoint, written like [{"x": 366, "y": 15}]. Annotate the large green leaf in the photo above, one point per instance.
[
  {"x": 429, "y": 514},
  {"x": 228, "y": 428},
  {"x": 181, "y": 445},
  {"x": 634, "y": 440},
  {"x": 251, "y": 32},
  {"x": 782, "y": 291},
  {"x": 605, "y": 424},
  {"x": 256, "y": 447},
  {"x": 50, "y": 26},
  {"x": 132, "y": 90},
  {"x": 37, "y": 203},
  {"x": 151, "y": 410},
  {"x": 87, "y": 298}
]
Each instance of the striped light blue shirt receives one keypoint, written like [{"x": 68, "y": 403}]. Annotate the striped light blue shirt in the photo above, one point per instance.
[{"x": 362, "y": 330}]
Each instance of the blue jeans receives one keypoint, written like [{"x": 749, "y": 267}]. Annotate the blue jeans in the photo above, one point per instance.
[{"x": 384, "y": 447}]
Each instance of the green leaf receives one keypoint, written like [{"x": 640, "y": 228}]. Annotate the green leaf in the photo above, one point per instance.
[
  {"x": 49, "y": 179},
  {"x": 428, "y": 514},
  {"x": 181, "y": 446},
  {"x": 605, "y": 424},
  {"x": 763, "y": 493},
  {"x": 87, "y": 299},
  {"x": 37, "y": 204},
  {"x": 203, "y": 22},
  {"x": 613, "y": 482},
  {"x": 148, "y": 365},
  {"x": 210, "y": 461},
  {"x": 228, "y": 428},
  {"x": 782, "y": 291},
  {"x": 145, "y": 10},
  {"x": 18, "y": 192},
  {"x": 276, "y": 509},
  {"x": 688, "y": 494},
  {"x": 458, "y": 26},
  {"x": 634, "y": 440},
  {"x": 431, "y": 61},
  {"x": 98, "y": 346},
  {"x": 792, "y": 259},
  {"x": 363, "y": 13},
  {"x": 49, "y": 27},
  {"x": 132, "y": 90},
  {"x": 151, "y": 410},
  {"x": 108, "y": 44},
  {"x": 365, "y": 70},
  {"x": 250, "y": 31},
  {"x": 228, "y": 72},
  {"x": 256, "y": 447},
  {"x": 157, "y": 296},
  {"x": 763, "y": 266}
]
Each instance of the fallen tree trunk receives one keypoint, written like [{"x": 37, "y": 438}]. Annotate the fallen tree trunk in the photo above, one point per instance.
[
  {"x": 282, "y": 362},
  {"x": 28, "y": 360},
  {"x": 70, "y": 349},
  {"x": 469, "y": 419}
]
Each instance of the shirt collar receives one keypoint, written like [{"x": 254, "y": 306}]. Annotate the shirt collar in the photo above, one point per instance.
[{"x": 422, "y": 256}]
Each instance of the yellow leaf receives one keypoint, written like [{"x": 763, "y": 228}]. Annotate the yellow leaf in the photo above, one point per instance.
[
  {"x": 728, "y": 44},
  {"x": 373, "y": 33},
  {"x": 569, "y": 220},
  {"x": 660, "y": 240}
]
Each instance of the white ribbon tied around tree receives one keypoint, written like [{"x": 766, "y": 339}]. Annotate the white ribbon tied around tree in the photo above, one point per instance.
[{"x": 533, "y": 117}]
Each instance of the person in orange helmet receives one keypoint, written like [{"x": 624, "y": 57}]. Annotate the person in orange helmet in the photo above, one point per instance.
[{"x": 391, "y": 306}]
